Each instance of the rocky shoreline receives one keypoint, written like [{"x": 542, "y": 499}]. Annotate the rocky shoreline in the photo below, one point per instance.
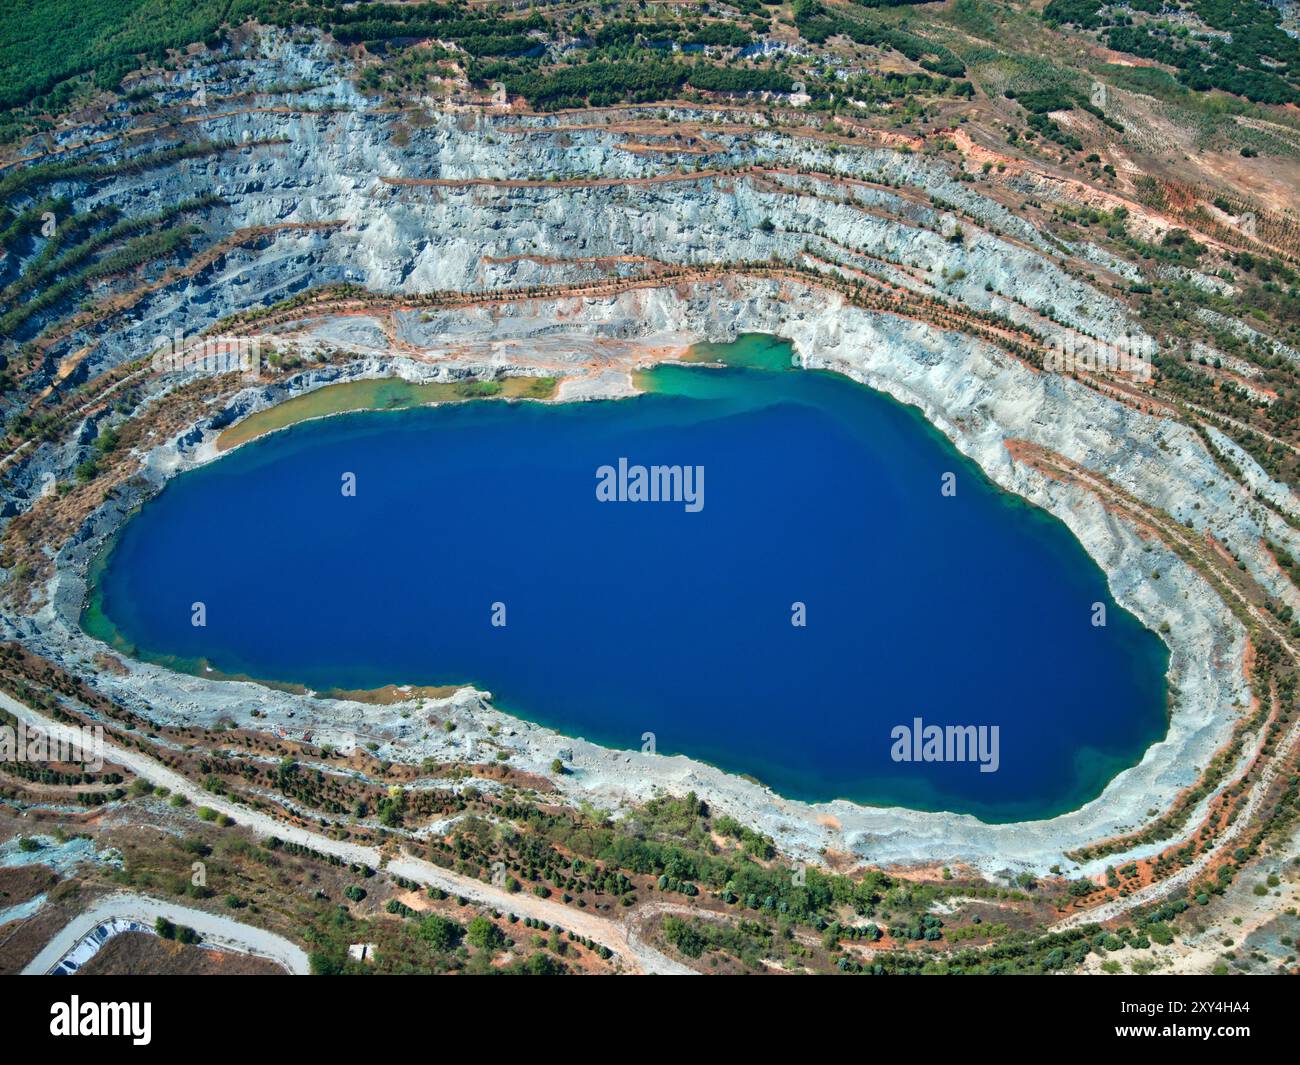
[{"x": 973, "y": 392}]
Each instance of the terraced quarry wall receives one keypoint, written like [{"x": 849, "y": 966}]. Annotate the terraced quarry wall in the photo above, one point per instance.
[{"x": 579, "y": 246}]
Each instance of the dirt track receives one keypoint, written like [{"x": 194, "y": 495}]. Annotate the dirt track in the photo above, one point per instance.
[{"x": 635, "y": 955}]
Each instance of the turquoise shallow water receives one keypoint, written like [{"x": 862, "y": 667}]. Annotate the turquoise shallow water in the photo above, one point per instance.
[{"x": 630, "y": 617}]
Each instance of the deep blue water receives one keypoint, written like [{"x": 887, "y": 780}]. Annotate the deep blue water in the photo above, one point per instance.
[{"x": 626, "y": 618}]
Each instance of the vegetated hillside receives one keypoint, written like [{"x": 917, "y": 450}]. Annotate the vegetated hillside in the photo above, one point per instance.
[
  {"x": 53, "y": 54},
  {"x": 1056, "y": 79}
]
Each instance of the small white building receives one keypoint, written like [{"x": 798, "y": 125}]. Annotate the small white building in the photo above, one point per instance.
[{"x": 362, "y": 951}]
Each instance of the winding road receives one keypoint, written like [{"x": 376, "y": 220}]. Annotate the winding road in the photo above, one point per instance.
[
  {"x": 215, "y": 930},
  {"x": 635, "y": 954}
]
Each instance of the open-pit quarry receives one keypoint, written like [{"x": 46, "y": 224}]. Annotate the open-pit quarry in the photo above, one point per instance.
[{"x": 455, "y": 243}]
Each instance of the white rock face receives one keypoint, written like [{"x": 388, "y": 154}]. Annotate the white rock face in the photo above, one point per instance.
[{"x": 317, "y": 167}]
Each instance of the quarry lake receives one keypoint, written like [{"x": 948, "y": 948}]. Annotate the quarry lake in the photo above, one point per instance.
[{"x": 820, "y": 501}]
